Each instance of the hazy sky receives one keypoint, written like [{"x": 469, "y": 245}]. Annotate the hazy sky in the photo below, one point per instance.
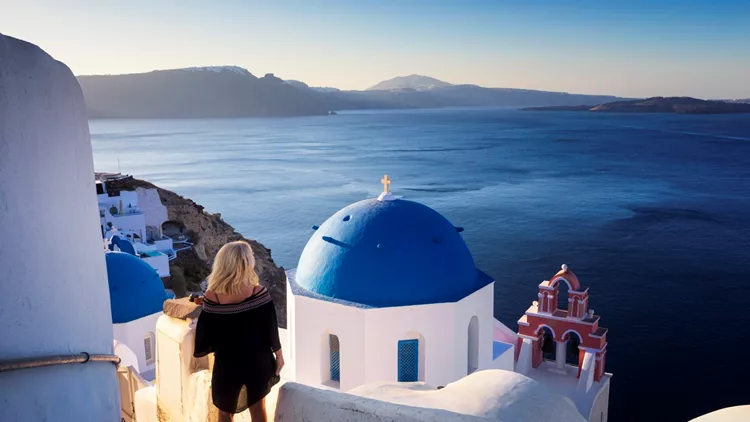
[{"x": 629, "y": 47}]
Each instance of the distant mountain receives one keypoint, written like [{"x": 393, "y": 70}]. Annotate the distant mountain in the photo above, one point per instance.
[
  {"x": 415, "y": 82},
  {"x": 218, "y": 91},
  {"x": 678, "y": 105},
  {"x": 302, "y": 85},
  {"x": 230, "y": 91},
  {"x": 456, "y": 96}
]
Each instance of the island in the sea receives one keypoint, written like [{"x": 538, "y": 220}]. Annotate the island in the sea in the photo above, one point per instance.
[
  {"x": 231, "y": 91},
  {"x": 678, "y": 105}
]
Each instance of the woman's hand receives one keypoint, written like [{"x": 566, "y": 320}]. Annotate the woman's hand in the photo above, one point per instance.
[{"x": 279, "y": 361}]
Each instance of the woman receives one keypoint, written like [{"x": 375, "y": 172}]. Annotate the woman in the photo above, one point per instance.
[{"x": 238, "y": 325}]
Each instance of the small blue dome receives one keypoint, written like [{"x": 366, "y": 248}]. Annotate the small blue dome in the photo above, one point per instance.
[
  {"x": 388, "y": 253},
  {"x": 135, "y": 288}
]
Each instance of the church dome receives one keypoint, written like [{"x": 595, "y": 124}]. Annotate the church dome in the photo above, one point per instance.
[
  {"x": 135, "y": 288},
  {"x": 385, "y": 253}
]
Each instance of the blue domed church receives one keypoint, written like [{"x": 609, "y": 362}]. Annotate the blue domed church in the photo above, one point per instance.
[
  {"x": 387, "y": 290},
  {"x": 137, "y": 296}
]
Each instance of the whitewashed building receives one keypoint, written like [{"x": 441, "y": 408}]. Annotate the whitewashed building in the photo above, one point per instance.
[
  {"x": 56, "y": 359},
  {"x": 387, "y": 290},
  {"x": 137, "y": 297},
  {"x": 131, "y": 222}
]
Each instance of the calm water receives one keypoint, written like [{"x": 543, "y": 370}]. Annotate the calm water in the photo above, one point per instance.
[{"x": 651, "y": 211}]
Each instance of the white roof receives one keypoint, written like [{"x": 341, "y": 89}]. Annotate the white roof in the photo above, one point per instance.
[
  {"x": 728, "y": 414},
  {"x": 493, "y": 394}
]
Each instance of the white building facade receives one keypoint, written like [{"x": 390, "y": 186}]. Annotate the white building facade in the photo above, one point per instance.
[
  {"x": 131, "y": 222},
  {"x": 386, "y": 290}
]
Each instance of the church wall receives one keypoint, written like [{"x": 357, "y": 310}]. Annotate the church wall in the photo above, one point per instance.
[
  {"x": 479, "y": 303},
  {"x": 600, "y": 408},
  {"x": 55, "y": 298},
  {"x": 313, "y": 321},
  {"x": 435, "y": 323},
  {"x": 133, "y": 334}
]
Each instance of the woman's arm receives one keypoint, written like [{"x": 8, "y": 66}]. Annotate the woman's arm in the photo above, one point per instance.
[
  {"x": 274, "y": 340},
  {"x": 273, "y": 330},
  {"x": 279, "y": 361}
]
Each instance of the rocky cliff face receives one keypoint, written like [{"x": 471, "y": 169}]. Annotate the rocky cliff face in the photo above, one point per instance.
[{"x": 208, "y": 232}]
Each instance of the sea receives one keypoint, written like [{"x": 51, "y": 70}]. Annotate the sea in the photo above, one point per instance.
[{"x": 651, "y": 211}]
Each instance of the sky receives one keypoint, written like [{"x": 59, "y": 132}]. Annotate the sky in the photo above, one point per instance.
[{"x": 632, "y": 48}]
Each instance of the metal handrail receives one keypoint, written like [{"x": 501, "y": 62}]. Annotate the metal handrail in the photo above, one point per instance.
[{"x": 84, "y": 357}]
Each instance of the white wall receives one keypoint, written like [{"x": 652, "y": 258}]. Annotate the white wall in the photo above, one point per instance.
[
  {"x": 159, "y": 263},
  {"x": 369, "y": 339},
  {"x": 164, "y": 245},
  {"x": 127, "y": 356},
  {"x": 175, "y": 342},
  {"x": 438, "y": 352},
  {"x": 127, "y": 198},
  {"x": 479, "y": 303},
  {"x": 312, "y": 321},
  {"x": 600, "y": 408},
  {"x": 133, "y": 334},
  {"x": 150, "y": 204},
  {"x": 506, "y": 361},
  {"x": 135, "y": 222},
  {"x": 55, "y": 298}
]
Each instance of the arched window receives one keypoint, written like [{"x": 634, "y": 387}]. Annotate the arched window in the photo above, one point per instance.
[
  {"x": 408, "y": 360},
  {"x": 149, "y": 348},
  {"x": 562, "y": 295},
  {"x": 335, "y": 357},
  {"x": 473, "y": 346},
  {"x": 573, "y": 340},
  {"x": 548, "y": 343}
]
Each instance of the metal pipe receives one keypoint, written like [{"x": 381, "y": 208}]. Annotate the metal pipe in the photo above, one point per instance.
[{"x": 56, "y": 360}]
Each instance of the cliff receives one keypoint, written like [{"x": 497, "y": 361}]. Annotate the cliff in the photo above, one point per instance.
[
  {"x": 677, "y": 105},
  {"x": 208, "y": 232}
]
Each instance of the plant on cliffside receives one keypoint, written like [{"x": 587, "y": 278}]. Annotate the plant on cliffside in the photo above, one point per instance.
[
  {"x": 194, "y": 269},
  {"x": 179, "y": 285}
]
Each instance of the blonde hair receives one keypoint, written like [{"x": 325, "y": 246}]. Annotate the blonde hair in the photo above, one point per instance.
[{"x": 233, "y": 269}]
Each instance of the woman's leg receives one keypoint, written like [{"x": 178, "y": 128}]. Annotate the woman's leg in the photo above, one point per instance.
[
  {"x": 258, "y": 411},
  {"x": 225, "y": 416}
]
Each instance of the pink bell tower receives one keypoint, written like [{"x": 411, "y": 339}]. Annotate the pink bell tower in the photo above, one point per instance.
[{"x": 544, "y": 322}]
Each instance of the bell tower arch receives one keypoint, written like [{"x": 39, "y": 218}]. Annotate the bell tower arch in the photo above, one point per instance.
[{"x": 576, "y": 325}]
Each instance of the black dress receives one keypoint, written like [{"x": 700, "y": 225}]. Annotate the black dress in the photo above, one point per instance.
[{"x": 243, "y": 337}]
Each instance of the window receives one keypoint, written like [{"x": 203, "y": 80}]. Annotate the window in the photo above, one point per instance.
[
  {"x": 335, "y": 356},
  {"x": 148, "y": 348},
  {"x": 408, "y": 360},
  {"x": 473, "y": 346}
]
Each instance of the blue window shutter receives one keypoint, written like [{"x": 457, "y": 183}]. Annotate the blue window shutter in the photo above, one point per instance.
[
  {"x": 333, "y": 345},
  {"x": 408, "y": 360}
]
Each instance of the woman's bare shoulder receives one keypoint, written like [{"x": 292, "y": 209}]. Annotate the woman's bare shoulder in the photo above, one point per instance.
[{"x": 211, "y": 295}]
